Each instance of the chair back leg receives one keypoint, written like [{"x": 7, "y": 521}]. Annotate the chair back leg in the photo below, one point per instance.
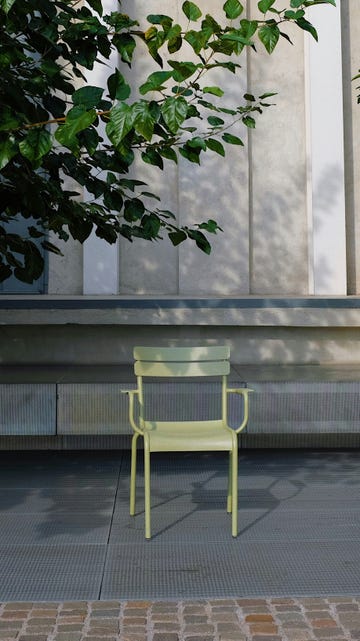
[{"x": 133, "y": 473}]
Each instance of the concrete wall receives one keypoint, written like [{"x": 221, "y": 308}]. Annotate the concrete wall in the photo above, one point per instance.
[{"x": 280, "y": 199}]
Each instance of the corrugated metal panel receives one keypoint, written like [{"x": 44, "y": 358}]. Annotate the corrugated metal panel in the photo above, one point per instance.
[
  {"x": 92, "y": 408},
  {"x": 27, "y": 409},
  {"x": 304, "y": 408}
]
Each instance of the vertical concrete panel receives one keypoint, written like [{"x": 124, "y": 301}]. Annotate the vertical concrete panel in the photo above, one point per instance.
[
  {"x": 350, "y": 22},
  {"x": 327, "y": 152},
  {"x": 65, "y": 276},
  {"x": 278, "y": 159},
  {"x": 218, "y": 190},
  {"x": 149, "y": 267},
  {"x": 101, "y": 258}
]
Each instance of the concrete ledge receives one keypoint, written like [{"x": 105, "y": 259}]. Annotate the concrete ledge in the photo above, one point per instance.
[{"x": 312, "y": 311}]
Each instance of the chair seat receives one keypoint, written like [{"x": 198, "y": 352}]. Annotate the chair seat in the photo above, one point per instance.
[{"x": 199, "y": 436}]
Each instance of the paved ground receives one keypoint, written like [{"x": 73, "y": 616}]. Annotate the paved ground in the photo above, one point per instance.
[
  {"x": 75, "y": 567},
  {"x": 308, "y": 619}
]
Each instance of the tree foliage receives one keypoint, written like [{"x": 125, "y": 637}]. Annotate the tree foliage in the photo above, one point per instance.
[{"x": 51, "y": 119}]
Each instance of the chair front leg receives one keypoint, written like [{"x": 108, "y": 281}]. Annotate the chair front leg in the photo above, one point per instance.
[
  {"x": 229, "y": 494},
  {"x": 133, "y": 473},
  {"x": 147, "y": 489},
  {"x": 234, "y": 483}
]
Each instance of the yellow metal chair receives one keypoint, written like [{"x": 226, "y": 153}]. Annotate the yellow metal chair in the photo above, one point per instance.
[{"x": 184, "y": 436}]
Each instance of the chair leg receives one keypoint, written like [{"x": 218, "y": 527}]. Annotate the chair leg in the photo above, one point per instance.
[
  {"x": 133, "y": 474},
  {"x": 229, "y": 494},
  {"x": 234, "y": 475},
  {"x": 147, "y": 490}
]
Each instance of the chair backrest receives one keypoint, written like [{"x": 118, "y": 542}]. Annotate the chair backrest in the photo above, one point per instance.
[{"x": 182, "y": 362}]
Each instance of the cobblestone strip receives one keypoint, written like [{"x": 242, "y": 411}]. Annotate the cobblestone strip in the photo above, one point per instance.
[{"x": 274, "y": 619}]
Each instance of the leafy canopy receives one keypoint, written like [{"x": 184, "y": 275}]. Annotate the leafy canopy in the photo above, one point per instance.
[{"x": 50, "y": 117}]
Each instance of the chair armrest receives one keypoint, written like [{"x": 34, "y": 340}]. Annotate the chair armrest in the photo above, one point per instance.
[
  {"x": 131, "y": 394},
  {"x": 244, "y": 392}
]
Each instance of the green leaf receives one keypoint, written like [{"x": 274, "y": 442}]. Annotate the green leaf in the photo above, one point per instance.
[
  {"x": 89, "y": 138},
  {"x": 230, "y": 66},
  {"x": 36, "y": 145},
  {"x": 8, "y": 149},
  {"x": 243, "y": 35},
  {"x": 51, "y": 248},
  {"x": 216, "y": 91},
  {"x": 155, "y": 81},
  {"x": 191, "y": 153},
  {"x": 142, "y": 119},
  {"x": 125, "y": 44},
  {"x": 294, "y": 15},
  {"x": 75, "y": 122},
  {"x": 5, "y": 271},
  {"x": 87, "y": 96},
  {"x": 215, "y": 145},
  {"x": 174, "y": 38},
  {"x": 154, "y": 40},
  {"x": 96, "y": 5},
  {"x": 232, "y": 140},
  {"x": 182, "y": 70},
  {"x": 310, "y": 3},
  {"x": 214, "y": 121},
  {"x": 200, "y": 240},
  {"x": 160, "y": 18},
  {"x": 133, "y": 210},
  {"x": 267, "y": 95},
  {"x": 264, "y": 5},
  {"x": 33, "y": 264},
  {"x": 249, "y": 122},
  {"x": 117, "y": 86},
  {"x": 174, "y": 112},
  {"x": 211, "y": 226},
  {"x": 233, "y": 8},
  {"x": 177, "y": 237},
  {"x": 184, "y": 91},
  {"x": 248, "y": 27},
  {"x": 209, "y": 26},
  {"x": 295, "y": 4},
  {"x": 151, "y": 225},
  {"x": 8, "y": 120},
  {"x": 149, "y": 194},
  {"x": 307, "y": 26},
  {"x": 120, "y": 123},
  {"x": 6, "y": 5},
  {"x": 191, "y": 10},
  {"x": 269, "y": 35},
  {"x": 113, "y": 200},
  {"x": 197, "y": 142},
  {"x": 34, "y": 232},
  {"x": 197, "y": 39},
  {"x": 131, "y": 183},
  {"x": 165, "y": 213},
  {"x": 168, "y": 153},
  {"x": 152, "y": 157}
]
